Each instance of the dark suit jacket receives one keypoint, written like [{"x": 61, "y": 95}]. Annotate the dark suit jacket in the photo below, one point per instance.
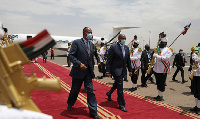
[
  {"x": 144, "y": 60},
  {"x": 178, "y": 60},
  {"x": 78, "y": 54},
  {"x": 115, "y": 64}
]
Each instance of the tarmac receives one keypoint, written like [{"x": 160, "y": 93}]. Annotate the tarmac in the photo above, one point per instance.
[{"x": 176, "y": 93}]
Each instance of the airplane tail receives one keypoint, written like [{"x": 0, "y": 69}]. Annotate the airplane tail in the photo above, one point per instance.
[{"x": 112, "y": 37}]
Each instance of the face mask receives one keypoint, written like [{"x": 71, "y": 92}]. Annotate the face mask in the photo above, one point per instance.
[
  {"x": 161, "y": 45},
  {"x": 89, "y": 36},
  {"x": 181, "y": 52},
  {"x": 135, "y": 45},
  {"x": 123, "y": 41}
]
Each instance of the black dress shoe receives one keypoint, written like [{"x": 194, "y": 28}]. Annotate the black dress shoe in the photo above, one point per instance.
[
  {"x": 95, "y": 117},
  {"x": 123, "y": 109},
  {"x": 144, "y": 85},
  {"x": 159, "y": 98},
  {"x": 126, "y": 80},
  {"x": 174, "y": 80},
  {"x": 99, "y": 77},
  {"x": 194, "y": 108},
  {"x": 132, "y": 89},
  {"x": 109, "y": 97},
  {"x": 69, "y": 108},
  {"x": 184, "y": 81}
]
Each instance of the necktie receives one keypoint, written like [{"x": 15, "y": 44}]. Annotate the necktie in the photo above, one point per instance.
[
  {"x": 123, "y": 52},
  {"x": 88, "y": 50}
]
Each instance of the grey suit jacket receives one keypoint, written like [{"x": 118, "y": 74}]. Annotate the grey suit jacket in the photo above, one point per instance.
[{"x": 78, "y": 54}]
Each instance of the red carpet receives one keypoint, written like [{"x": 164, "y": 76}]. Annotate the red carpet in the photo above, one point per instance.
[{"x": 139, "y": 107}]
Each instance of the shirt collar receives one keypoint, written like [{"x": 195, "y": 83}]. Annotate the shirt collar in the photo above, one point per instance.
[{"x": 121, "y": 44}]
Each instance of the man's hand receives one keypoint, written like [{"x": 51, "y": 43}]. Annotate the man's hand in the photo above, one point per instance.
[
  {"x": 142, "y": 67},
  {"x": 107, "y": 74},
  {"x": 99, "y": 64},
  {"x": 130, "y": 74},
  {"x": 82, "y": 66}
]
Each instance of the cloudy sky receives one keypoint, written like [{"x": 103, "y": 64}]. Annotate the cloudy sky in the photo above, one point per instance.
[{"x": 68, "y": 17}]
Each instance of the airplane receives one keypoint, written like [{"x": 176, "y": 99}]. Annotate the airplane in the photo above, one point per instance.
[{"x": 62, "y": 41}]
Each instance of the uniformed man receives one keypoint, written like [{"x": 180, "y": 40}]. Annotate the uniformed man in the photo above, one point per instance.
[
  {"x": 135, "y": 56},
  {"x": 101, "y": 54},
  {"x": 162, "y": 65},
  {"x": 196, "y": 79}
]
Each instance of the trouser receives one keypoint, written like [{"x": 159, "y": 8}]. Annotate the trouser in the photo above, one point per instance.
[
  {"x": 102, "y": 68},
  {"x": 68, "y": 61},
  {"x": 160, "y": 81},
  {"x": 52, "y": 56},
  {"x": 75, "y": 89},
  {"x": 179, "y": 68},
  {"x": 118, "y": 84},
  {"x": 134, "y": 76},
  {"x": 143, "y": 78},
  {"x": 196, "y": 80}
]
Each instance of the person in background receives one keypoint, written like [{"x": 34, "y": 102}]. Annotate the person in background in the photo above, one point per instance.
[
  {"x": 68, "y": 50},
  {"x": 44, "y": 55},
  {"x": 52, "y": 53},
  {"x": 135, "y": 56},
  {"x": 101, "y": 54},
  {"x": 179, "y": 62}
]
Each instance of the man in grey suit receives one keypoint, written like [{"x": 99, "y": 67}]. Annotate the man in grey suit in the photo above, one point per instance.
[
  {"x": 82, "y": 56},
  {"x": 118, "y": 60}
]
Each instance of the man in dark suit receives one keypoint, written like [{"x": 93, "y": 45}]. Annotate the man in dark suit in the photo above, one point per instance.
[
  {"x": 179, "y": 61},
  {"x": 118, "y": 60},
  {"x": 145, "y": 59},
  {"x": 82, "y": 56}
]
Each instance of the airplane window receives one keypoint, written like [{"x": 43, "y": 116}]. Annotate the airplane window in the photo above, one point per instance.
[{"x": 66, "y": 41}]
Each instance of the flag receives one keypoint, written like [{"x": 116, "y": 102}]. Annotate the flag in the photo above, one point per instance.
[
  {"x": 132, "y": 40},
  {"x": 33, "y": 47},
  {"x": 185, "y": 29}
]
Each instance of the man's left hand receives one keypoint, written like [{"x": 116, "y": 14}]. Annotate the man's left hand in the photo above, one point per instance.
[{"x": 130, "y": 74}]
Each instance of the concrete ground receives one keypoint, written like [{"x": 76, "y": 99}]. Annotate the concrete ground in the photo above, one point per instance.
[{"x": 176, "y": 93}]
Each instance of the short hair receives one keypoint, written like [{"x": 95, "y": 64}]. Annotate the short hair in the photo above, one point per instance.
[{"x": 84, "y": 29}]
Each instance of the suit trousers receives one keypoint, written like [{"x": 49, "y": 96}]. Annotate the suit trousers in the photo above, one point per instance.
[
  {"x": 179, "y": 68},
  {"x": 160, "y": 81},
  {"x": 118, "y": 84},
  {"x": 75, "y": 89},
  {"x": 196, "y": 80}
]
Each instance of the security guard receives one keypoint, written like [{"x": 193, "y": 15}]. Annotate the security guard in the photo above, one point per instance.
[
  {"x": 135, "y": 56},
  {"x": 162, "y": 65}
]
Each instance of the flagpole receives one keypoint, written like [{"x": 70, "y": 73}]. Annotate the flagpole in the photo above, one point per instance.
[{"x": 175, "y": 39}]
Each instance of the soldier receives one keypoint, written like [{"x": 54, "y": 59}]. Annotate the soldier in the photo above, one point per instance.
[
  {"x": 162, "y": 65},
  {"x": 179, "y": 61},
  {"x": 135, "y": 56},
  {"x": 196, "y": 78},
  {"x": 101, "y": 54}
]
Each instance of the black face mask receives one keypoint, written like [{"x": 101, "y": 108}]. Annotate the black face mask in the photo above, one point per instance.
[
  {"x": 148, "y": 49},
  {"x": 135, "y": 45}
]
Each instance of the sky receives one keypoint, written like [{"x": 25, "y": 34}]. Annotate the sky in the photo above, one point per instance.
[{"x": 69, "y": 17}]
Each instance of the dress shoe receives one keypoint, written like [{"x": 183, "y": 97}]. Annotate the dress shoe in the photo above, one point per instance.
[
  {"x": 99, "y": 77},
  {"x": 132, "y": 89},
  {"x": 109, "y": 97},
  {"x": 174, "y": 80},
  {"x": 126, "y": 80},
  {"x": 69, "y": 108},
  {"x": 158, "y": 98},
  {"x": 198, "y": 111},
  {"x": 144, "y": 85},
  {"x": 194, "y": 108},
  {"x": 123, "y": 109},
  {"x": 184, "y": 81},
  {"x": 95, "y": 117}
]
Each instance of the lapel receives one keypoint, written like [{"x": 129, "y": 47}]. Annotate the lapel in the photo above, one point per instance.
[
  {"x": 83, "y": 45},
  {"x": 120, "y": 51}
]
